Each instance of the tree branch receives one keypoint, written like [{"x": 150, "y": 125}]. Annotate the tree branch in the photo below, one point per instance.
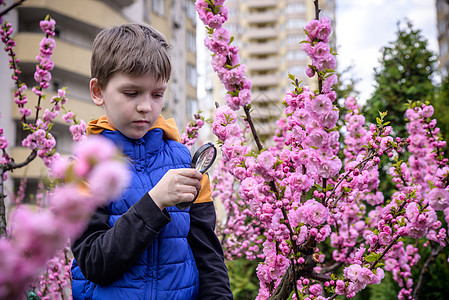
[
  {"x": 2, "y": 207},
  {"x": 8, "y": 9},
  {"x": 253, "y": 129},
  {"x": 430, "y": 259}
]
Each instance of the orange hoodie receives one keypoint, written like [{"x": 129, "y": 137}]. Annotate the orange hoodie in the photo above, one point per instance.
[{"x": 170, "y": 132}]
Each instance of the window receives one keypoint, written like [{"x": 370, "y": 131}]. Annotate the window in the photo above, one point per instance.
[
  {"x": 191, "y": 75},
  {"x": 191, "y": 12},
  {"x": 293, "y": 8},
  {"x": 297, "y": 70},
  {"x": 295, "y": 39},
  {"x": 159, "y": 7},
  {"x": 192, "y": 107},
  {"x": 191, "y": 41},
  {"x": 295, "y": 55},
  {"x": 295, "y": 24}
]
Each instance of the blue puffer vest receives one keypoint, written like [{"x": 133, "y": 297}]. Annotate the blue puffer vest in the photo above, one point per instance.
[{"x": 167, "y": 269}]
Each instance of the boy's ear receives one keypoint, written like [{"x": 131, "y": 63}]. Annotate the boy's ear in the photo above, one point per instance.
[{"x": 95, "y": 92}]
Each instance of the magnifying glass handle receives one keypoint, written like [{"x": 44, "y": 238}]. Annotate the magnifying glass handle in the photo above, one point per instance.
[{"x": 185, "y": 205}]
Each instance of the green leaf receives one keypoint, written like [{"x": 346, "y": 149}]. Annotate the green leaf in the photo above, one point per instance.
[
  {"x": 379, "y": 121},
  {"x": 291, "y": 76},
  {"x": 372, "y": 257}
]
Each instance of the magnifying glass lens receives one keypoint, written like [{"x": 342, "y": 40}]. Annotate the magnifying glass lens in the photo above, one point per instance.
[
  {"x": 205, "y": 160},
  {"x": 202, "y": 160},
  {"x": 204, "y": 157}
]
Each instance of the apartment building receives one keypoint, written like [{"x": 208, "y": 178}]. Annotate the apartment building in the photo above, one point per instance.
[
  {"x": 268, "y": 33},
  {"x": 77, "y": 23},
  {"x": 443, "y": 35}
]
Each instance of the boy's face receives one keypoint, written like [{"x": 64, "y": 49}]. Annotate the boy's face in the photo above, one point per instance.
[{"x": 132, "y": 104}]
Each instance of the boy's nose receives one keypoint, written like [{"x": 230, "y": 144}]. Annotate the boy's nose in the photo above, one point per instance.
[{"x": 144, "y": 105}]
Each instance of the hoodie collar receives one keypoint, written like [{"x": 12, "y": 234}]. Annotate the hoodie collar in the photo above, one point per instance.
[{"x": 168, "y": 126}]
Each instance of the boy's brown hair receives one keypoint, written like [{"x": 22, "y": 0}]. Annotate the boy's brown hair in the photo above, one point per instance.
[{"x": 130, "y": 49}]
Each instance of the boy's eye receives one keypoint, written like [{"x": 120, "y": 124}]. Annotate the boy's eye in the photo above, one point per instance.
[
  {"x": 158, "y": 95},
  {"x": 130, "y": 94}
]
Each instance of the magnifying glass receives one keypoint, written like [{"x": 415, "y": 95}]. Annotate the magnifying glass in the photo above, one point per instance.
[{"x": 202, "y": 160}]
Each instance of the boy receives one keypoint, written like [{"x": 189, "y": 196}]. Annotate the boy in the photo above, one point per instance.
[{"x": 141, "y": 246}]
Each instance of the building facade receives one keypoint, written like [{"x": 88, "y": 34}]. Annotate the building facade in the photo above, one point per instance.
[
  {"x": 77, "y": 23},
  {"x": 268, "y": 33},
  {"x": 443, "y": 35}
]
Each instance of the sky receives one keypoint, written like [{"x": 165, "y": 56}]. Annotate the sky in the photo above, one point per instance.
[{"x": 365, "y": 26}]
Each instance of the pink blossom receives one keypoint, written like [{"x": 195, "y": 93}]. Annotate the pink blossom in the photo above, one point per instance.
[
  {"x": 108, "y": 179},
  {"x": 300, "y": 181},
  {"x": 312, "y": 28},
  {"x": 315, "y": 213},
  {"x": 321, "y": 50},
  {"x": 327, "y": 62},
  {"x": 438, "y": 198},
  {"x": 218, "y": 61},
  {"x": 88, "y": 154},
  {"x": 315, "y": 289},
  {"x": 317, "y": 138},
  {"x": 47, "y": 45},
  {"x": 352, "y": 272},
  {"x": 310, "y": 72},
  {"x": 221, "y": 35},
  {"x": 3, "y": 142},
  {"x": 329, "y": 82},
  {"x": 329, "y": 119},
  {"x": 324, "y": 29},
  {"x": 321, "y": 104},
  {"x": 48, "y": 26},
  {"x": 38, "y": 235},
  {"x": 427, "y": 111},
  {"x": 68, "y": 117}
]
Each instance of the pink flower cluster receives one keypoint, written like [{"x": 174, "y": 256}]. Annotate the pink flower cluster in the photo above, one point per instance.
[
  {"x": 78, "y": 131},
  {"x": 190, "y": 135},
  {"x": 400, "y": 261},
  {"x": 42, "y": 74},
  {"x": 241, "y": 231},
  {"x": 55, "y": 281},
  {"x": 359, "y": 277},
  {"x": 48, "y": 26},
  {"x": 91, "y": 180},
  {"x": 225, "y": 62},
  {"x": 300, "y": 195},
  {"x": 317, "y": 48}
]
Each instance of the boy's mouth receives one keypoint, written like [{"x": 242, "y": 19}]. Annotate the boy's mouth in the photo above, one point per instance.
[{"x": 141, "y": 122}]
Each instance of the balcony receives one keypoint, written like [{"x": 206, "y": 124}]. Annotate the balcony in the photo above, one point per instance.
[
  {"x": 95, "y": 13},
  {"x": 261, "y": 3},
  {"x": 264, "y": 112},
  {"x": 262, "y": 32},
  {"x": 262, "y": 17},
  {"x": 262, "y": 48},
  {"x": 266, "y": 128},
  {"x": 66, "y": 56},
  {"x": 265, "y": 97},
  {"x": 265, "y": 80},
  {"x": 121, "y": 3},
  {"x": 84, "y": 110},
  {"x": 35, "y": 169},
  {"x": 263, "y": 64}
]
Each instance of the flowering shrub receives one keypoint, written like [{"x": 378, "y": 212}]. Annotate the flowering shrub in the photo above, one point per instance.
[
  {"x": 190, "y": 135},
  {"x": 284, "y": 202},
  {"x": 34, "y": 235}
]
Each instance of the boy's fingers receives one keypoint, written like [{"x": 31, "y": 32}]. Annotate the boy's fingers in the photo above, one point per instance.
[{"x": 190, "y": 172}]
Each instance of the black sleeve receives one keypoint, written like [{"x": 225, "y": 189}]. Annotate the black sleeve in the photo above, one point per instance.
[
  {"x": 104, "y": 253},
  {"x": 209, "y": 257}
]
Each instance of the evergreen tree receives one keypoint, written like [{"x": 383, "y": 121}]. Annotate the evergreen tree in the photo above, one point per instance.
[
  {"x": 405, "y": 73},
  {"x": 441, "y": 103}
]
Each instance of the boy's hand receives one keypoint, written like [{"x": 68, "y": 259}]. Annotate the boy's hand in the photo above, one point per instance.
[{"x": 177, "y": 185}]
